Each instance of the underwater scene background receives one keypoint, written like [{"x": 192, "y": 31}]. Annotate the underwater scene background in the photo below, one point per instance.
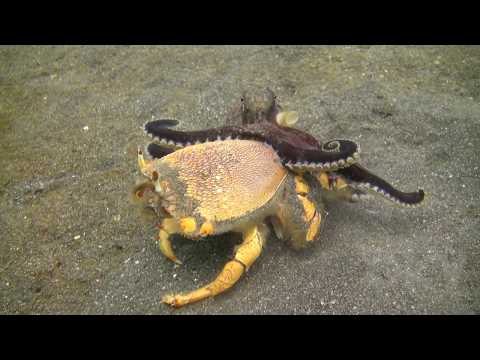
[{"x": 71, "y": 119}]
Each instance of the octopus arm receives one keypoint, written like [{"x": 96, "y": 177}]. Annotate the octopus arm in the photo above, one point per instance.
[
  {"x": 365, "y": 178},
  {"x": 332, "y": 155},
  {"x": 296, "y": 149},
  {"x": 166, "y": 123},
  {"x": 159, "y": 131},
  {"x": 157, "y": 151}
]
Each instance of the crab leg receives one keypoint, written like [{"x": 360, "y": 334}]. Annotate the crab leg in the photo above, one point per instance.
[
  {"x": 168, "y": 227},
  {"x": 310, "y": 214},
  {"x": 338, "y": 186},
  {"x": 245, "y": 256}
]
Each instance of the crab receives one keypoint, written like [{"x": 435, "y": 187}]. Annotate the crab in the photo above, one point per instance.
[{"x": 255, "y": 175}]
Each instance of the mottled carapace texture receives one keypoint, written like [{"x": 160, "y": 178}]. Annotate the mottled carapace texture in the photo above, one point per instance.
[{"x": 228, "y": 179}]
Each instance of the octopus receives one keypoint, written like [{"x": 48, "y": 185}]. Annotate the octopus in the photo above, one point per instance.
[{"x": 254, "y": 174}]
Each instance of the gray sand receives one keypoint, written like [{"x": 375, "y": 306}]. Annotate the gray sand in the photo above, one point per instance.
[{"x": 70, "y": 122}]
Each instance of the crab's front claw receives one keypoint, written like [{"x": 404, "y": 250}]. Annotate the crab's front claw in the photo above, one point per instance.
[{"x": 167, "y": 228}]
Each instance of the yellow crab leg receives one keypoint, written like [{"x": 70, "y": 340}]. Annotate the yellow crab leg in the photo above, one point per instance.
[
  {"x": 338, "y": 186},
  {"x": 311, "y": 215},
  {"x": 168, "y": 227},
  {"x": 245, "y": 256},
  {"x": 338, "y": 182}
]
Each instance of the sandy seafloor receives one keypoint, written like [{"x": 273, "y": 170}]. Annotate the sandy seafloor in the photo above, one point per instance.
[{"x": 70, "y": 123}]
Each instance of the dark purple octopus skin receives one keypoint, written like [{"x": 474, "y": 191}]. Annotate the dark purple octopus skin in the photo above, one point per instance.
[
  {"x": 294, "y": 148},
  {"x": 297, "y": 149}
]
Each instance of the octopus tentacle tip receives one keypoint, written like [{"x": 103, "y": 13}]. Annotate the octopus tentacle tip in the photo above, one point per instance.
[
  {"x": 361, "y": 178},
  {"x": 162, "y": 123},
  {"x": 421, "y": 196}
]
